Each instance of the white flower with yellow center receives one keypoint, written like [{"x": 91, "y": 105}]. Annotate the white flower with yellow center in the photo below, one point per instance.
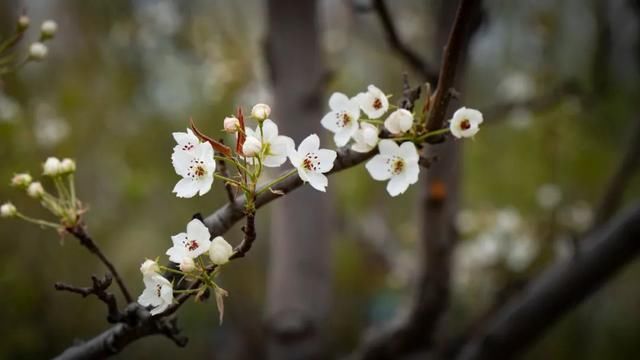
[
  {"x": 398, "y": 164},
  {"x": 342, "y": 120},
  {"x": 465, "y": 122},
  {"x": 312, "y": 162},
  {"x": 192, "y": 243},
  {"x": 374, "y": 102},
  {"x": 274, "y": 147},
  {"x": 366, "y": 138},
  {"x": 158, "y": 293},
  {"x": 197, "y": 167}
]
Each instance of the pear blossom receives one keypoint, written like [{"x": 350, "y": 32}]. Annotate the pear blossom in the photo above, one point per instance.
[
  {"x": 48, "y": 29},
  {"x": 465, "y": 122},
  {"x": 192, "y": 243},
  {"x": 187, "y": 265},
  {"x": 186, "y": 141},
  {"x": 52, "y": 167},
  {"x": 37, "y": 51},
  {"x": 35, "y": 190},
  {"x": 374, "y": 102},
  {"x": 252, "y": 146},
  {"x": 366, "y": 138},
  {"x": 149, "y": 268},
  {"x": 158, "y": 293},
  {"x": 23, "y": 22},
  {"x": 399, "y": 122},
  {"x": 312, "y": 162},
  {"x": 8, "y": 210},
  {"x": 275, "y": 147},
  {"x": 261, "y": 111},
  {"x": 398, "y": 164},
  {"x": 342, "y": 120},
  {"x": 220, "y": 251},
  {"x": 231, "y": 124},
  {"x": 21, "y": 180},
  {"x": 197, "y": 168},
  {"x": 67, "y": 166}
]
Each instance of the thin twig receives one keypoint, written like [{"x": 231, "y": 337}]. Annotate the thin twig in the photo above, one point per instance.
[{"x": 99, "y": 289}]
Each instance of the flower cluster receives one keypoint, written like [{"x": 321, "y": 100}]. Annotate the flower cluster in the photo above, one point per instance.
[
  {"x": 63, "y": 204},
  {"x": 37, "y": 51},
  {"x": 359, "y": 118}
]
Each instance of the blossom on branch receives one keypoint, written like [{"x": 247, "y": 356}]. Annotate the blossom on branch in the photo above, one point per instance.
[
  {"x": 342, "y": 120},
  {"x": 220, "y": 251},
  {"x": 196, "y": 166},
  {"x": 312, "y": 162},
  {"x": 366, "y": 138},
  {"x": 374, "y": 102},
  {"x": 149, "y": 268},
  {"x": 398, "y": 164},
  {"x": 186, "y": 141},
  {"x": 158, "y": 293},
  {"x": 399, "y": 122},
  {"x": 465, "y": 122},
  {"x": 192, "y": 243},
  {"x": 274, "y": 147}
]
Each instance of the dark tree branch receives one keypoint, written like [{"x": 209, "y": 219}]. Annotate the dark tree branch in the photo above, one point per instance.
[
  {"x": 411, "y": 57},
  {"x": 99, "y": 289},
  {"x": 81, "y": 234},
  {"x": 558, "y": 290},
  {"x": 623, "y": 173},
  {"x": 249, "y": 231}
]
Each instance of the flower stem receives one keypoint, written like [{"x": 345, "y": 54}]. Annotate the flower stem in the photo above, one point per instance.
[
  {"x": 38, "y": 221},
  {"x": 432, "y": 133},
  {"x": 277, "y": 180}
]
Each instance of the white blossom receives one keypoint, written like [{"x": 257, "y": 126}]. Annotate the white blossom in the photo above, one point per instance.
[
  {"x": 67, "y": 166},
  {"x": 275, "y": 147},
  {"x": 37, "y": 51},
  {"x": 52, "y": 167},
  {"x": 197, "y": 167},
  {"x": 549, "y": 196},
  {"x": 158, "y": 293},
  {"x": 186, "y": 141},
  {"x": 192, "y": 243},
  {"x": 187, "y": 265},
  {"x": 231, "y": 124},
  {"x": 312, "y": 162},
  {"x": 149, "y": 268},
  {"x": 220, "y": 251},
  {"x": 366, "y": 138},
  {"x": 465, "y": 122},
  {"x": 21, "y": 180},
  {"x": 398, "y": 164},
  {"x": 23, "y": 22},
  {"x": 342, "y": 120},
  {"x": 399, "y": 122},
  {"x": 261, "y": 112},
  {"x": 35, "y": 190},
  {"x": 48, "y": 29},
  {"x": 374, "y": 102},
  {"x": 252, "y": 146},
  {"x": 8, "y": 210}
]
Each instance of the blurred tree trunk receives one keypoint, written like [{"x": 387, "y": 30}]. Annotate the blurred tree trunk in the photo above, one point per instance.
[{"x": 300, "y": 270}]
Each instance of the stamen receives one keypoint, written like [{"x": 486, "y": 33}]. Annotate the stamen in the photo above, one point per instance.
[{"x": 377, "y": 104}]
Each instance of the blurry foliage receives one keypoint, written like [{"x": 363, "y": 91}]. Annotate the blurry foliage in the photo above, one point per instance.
[{"x": 122, "y": 76}]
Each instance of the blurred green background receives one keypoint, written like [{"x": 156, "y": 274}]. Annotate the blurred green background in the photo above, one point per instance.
[{"x": 122, "y": 75}]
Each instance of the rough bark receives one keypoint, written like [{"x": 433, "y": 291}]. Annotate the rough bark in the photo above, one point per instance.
[{"x": 299, "y": 278}]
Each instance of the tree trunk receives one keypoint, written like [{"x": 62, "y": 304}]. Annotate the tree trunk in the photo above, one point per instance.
[{"x": 300, "y": 268}]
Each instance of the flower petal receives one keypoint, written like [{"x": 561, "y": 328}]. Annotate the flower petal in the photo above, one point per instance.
[
  {"x": 409, "y": 152},
  {"x": 196, "y": 230},
  {"x": 204, "y": 183},
  {"x": 397, "y": 185},
  {"x": 269, "y": 131},
  {"x": 318, "y": 181},
  {"x": 310, "y": 144},
  {"x": 338, "y": 101},
  {"x": 186, "y": 188},
  {"x": 388, "y": 147},
  {"x": 330, "y": 121},
  {"x": 378, "y": 168},
  {"x": 326, "y": 159}
]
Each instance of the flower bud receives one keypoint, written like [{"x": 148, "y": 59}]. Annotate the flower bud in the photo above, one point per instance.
[
  {"x": 220, "y": 251},
  {"x": 52, "y": 167},
  {"x": 23, "y": 23},
  {"x": 187, "y": 265},
  {"x": 21, "y": 180},
  {"x": 149, "y": 267},
  {"x": 48, "y": 29},
  {"x": 251, "y": 146},
  {"x": 400, "y": 121},
  {"x": 261, "y": 112},
  {"x": 231, "y": 124},
  {"x": 7, "y": 210},
  {"x": 37, "y": 51},
  {"x": 67, "y": 166},
  {"x": 35, "y": 190}
]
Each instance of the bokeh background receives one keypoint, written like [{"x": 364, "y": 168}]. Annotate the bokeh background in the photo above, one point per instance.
[{"x": 122, "y": 75}]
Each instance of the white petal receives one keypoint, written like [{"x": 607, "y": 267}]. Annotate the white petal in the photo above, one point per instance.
[
  {"x": 281, "y": 145},
  {"x": 295, "y": 158},
  {"x": 177, "y": 253},
  {"x": 409, "y": 152},
  {"x": 159, "y": 309},
  {"x": 180, "y": 160},
  {"x": 204, "y": 183},
  {"x": 342, "y": 137},
  {"x": 326, "y": 158},
  {"x": 330, "y": 121},
  {"x": 310, "y": 144},
  {"x": 318, "y": 181},
  {"x": 269, "y": 130},
  {"x": 186, "y": 188},
  {"x": 338, "y": 101},
  {"x": 412, "y": 172},
  {"x": 274, "y": 160},
  {"x": 185, "y": 138},
  {"x": 388, "y": 147},
  {"x": 250, "y": 133},
  {"x": 196, "y": 230},
  {"x": 379, "y": 168},
  {"x": 397, "y": 185},
  {"x": 304, "y": 175},
  {"x": 361, "y": 147}
]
